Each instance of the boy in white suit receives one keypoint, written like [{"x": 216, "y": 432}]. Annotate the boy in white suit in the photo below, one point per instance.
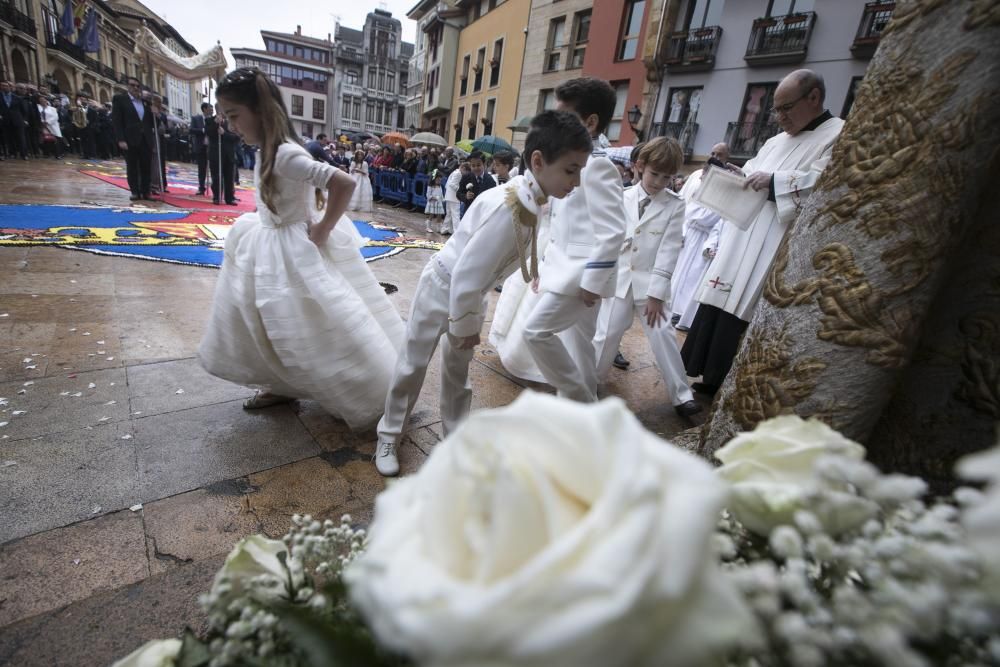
[
  {"x": 498, "y": 234},
  {"x": 452, "y": 207},
  {"x": 587, "y": 231},
  {"x": 655, "y": 225}
]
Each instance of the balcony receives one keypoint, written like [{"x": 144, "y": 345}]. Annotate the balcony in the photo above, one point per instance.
[
  {"x": 355, "y": 57},
  {"x": 873, "y": 22},
  {"x": 92, "y": 64},
  {"x": 109, "y": 72},
  {"x": 18, "y": 19},
  {"x": 745, "y": 139},
  {"x": 684, "y": 133},
  {"x": 693, "y": 51},
  {"x": 780, "y": 40},
  {"x": 60, "y": 43},
  {"x": 352, "y": 89}
]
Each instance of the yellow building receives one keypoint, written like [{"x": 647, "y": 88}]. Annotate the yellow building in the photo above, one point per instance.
[{"x": 490, "y": 53}]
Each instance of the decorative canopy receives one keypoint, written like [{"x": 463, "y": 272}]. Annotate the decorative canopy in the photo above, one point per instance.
[{"x": 211, "y": 63}]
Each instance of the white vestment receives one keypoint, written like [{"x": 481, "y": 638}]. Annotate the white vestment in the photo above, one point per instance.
[
  {"x": 735, "y": 278},
  {"x": 699, "y": 222}
]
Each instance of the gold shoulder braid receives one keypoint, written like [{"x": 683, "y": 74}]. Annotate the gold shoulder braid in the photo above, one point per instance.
[{"x": 522, "y": 216}]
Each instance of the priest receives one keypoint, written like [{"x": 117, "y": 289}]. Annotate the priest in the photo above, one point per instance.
[{"x": 787, "y": 167}]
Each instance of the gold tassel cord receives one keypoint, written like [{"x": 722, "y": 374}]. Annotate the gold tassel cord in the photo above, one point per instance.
[{"x": 520, "y": 215}]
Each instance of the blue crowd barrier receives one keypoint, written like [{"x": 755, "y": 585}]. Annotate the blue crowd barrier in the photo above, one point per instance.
[
  {"x": 418, "y": 190},
  {"x": 394, "y": 186}
]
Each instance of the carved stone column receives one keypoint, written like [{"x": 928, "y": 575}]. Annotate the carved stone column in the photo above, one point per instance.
[{"x": 881, "y": 314}]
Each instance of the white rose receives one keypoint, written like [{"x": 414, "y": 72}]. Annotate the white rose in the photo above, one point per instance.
[
  {"x": 254, "y": 558},
  {"x": 982, "y": 520},
  {"x": 157, "y": 653},
  {"x": 772, "y": 472},
  {"x": 550, "y": 533}
]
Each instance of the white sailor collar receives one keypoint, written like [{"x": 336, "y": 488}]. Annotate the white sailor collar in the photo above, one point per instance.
[{"x": 530, "y": 194}]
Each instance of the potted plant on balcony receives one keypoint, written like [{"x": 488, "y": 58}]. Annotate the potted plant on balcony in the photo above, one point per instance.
[
  {"x": 457, "y": 126},
  {"x": 477, "y": 68},
  {"x": 703, "y": 33},
  {"x": 471, "y": 122},
  {"x": 494, "y": 62},
  {"x": 765, "y": 22},
  {"x": 792, "y": 19}
]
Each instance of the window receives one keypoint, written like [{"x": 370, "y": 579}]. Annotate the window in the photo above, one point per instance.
[
  {"x": 381, "y": 80},
  {"x": 852, "y": 92},
  {"x": 473, "y": 121},
  {"x": 459, "y": 119},
  {"x": 352, "y": 77},
  {"x": 631, "y": 27},
  {"x": 581, "y": 35},
  {"x": 390, "y": 82},
  {"x": 614, "y": 130},
  {"x": 464, "y": 85},
  {"x": 298, "y": 102},
  {"x": 683, "y": 105},
  {"x": 546, "y": 100},
  {"x": 557, "y": 37},
  {"x": 345, "y": 110},
  {"x": 477, "y": 84},
  {"x": 700, "y": 14},
  {"x": 784, "y": 7},
  {"x": 495, "y": 63},
  {"x": 491, "y": 107},
  {"x": 299, "y": 52},
  {"x": 372, "y": 78},
  {"x": 370, "y": 113},
  {"x": 755, "y": 111},
  {"x": 307, "y": 130},
  {"x": 356, "y": 115},
  {"x": 319, "y": 109},
  {"x": 387, "y": 115}
]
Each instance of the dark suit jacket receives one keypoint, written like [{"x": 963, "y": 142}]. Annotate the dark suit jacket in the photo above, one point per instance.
[
  {"x": 230, "y": 140},
  {"x": 197, "y": 131},
  {"x": 316, "y": 150},
  {"x": 128, "y": 126},
  {"x": 13, "y": 115},
  {"x": 485, "y": 183}
]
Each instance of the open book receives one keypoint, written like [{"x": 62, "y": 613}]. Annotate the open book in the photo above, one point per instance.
[{"x": 722, "y": 191}]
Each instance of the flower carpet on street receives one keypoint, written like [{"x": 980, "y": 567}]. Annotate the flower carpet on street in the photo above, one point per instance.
[
  {"x": 554, "y": 533},
  {"x": 192, "y": 233}
]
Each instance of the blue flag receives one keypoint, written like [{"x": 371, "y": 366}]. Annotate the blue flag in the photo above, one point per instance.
[
  {"x": 66, "y": 26},
  {"x": 89, "y": 39}
]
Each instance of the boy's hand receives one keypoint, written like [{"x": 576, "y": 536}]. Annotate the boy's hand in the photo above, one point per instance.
[
  {"x": 468, "y": 342},
  {"x": 470, "y": 195},
  {"x": 654, "y": 312},
  {"x": 589, "y": 298},
  {"x": 534, "y": 285}
]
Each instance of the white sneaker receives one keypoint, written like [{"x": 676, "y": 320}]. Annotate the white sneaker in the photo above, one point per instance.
[
  {"x": 427, "y": 227},
  {"x": 385, "y": 459}
]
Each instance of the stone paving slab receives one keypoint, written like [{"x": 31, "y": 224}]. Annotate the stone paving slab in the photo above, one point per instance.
[
  {"x": 96, "y": 631},
  {"x": 52, "y": 569},
  {"x": 153, "y": 387},
  {"x": 66, "y": 477},
  {"x": 185, "y": 450}
]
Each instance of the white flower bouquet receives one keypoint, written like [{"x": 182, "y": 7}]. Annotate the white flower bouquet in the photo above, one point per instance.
[{"x": 554, "y": 533}]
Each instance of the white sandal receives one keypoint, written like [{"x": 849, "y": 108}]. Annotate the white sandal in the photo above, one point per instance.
[{"x": 261, "y": 400}]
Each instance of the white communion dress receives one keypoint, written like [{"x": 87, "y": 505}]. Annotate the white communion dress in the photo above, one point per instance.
[
  {"x": 361, "y": 200},
  {"x": 297, "y": 319}
]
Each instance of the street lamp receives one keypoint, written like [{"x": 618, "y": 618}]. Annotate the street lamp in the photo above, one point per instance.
[{"x": 634, "y": 116}]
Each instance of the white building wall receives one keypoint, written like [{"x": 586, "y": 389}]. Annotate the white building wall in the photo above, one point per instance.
[
  {"x": 725, "y": 86},
  {"x": 298, "y": 120}
]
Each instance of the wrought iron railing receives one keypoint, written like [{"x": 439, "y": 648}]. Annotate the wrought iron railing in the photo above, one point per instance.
[
  {"x": 693, "y": 50},
  {"x": 684, "y": 133},
  {"x": 92, "y": 64},
  {"x": 18, "y": 19},
  {"x": 874, "y": 20},
  {"x": 780, "y": 39},
  {"x": 745, "y": 139},
  {"x": 109, "y": 72}
]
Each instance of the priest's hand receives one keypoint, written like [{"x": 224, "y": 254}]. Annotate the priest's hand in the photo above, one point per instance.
[
  {"x": 589, "y": 298},
  {"x": 759, "y": 180},
  {"x": 654, "y": 312}
]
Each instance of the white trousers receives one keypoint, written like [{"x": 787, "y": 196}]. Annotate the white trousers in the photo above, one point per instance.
[
  {"x": 571, "y": 367},
  {"x": 428, "y": 322},
  {"x": 452, "y": 214},
  {"x": 662, "y": 340}
]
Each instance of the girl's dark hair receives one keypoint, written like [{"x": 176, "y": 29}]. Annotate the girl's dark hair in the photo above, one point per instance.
[
  {"x": 588, "y": 96},
  {"x": 555, "y": 133},
  {"x": 505, "y": 158},
  {"x": 251, "y": 88}
]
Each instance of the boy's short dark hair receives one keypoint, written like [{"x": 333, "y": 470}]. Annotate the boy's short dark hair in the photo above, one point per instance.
[
  {"x": 588, "y": 96},
  {"x": 320, "y": 137},
  {"x": 205, "y": 105},
  {"x": 555, "y": 133},
  {"x": 476, "y": 155},
  {"x": 505, "y": 158},
  {"x": 634, "y": 155}
]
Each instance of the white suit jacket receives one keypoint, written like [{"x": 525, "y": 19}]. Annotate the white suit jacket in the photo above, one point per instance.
[
  {"x": 652, "y": 245},
  {"x": 586, "y": 233}
]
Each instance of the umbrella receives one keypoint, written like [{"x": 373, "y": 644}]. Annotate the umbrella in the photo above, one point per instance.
[
  {"x": 429, "y": 139},
  {"x": 355, "y": 137},
  {"x": 465, "y": 145},
  {"x": 620, "y": 154},
  {"x": 461, "y": 153},
  {"x": 396, "y": 138},
  {"x": 490, "y": 145},
  {"x": 522, "y": 124}
]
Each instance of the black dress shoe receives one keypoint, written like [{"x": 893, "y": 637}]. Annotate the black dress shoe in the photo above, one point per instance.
[
  {"x": 133, "y": 197},
  {"x": 703, "y": 388},
  {"x": 621, "y": 362},
  {"x": 231, "y": 203},
  {"x": 200, "y": 192},
  {"x": 675, "y": 318},
  {"x": 216, "y": 202},
  {"x": 687, "y": 409}
]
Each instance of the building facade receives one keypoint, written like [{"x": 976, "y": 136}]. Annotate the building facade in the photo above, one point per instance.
[
  {"x": 302, "y": 68},
  {"x": 555, "y": 49},
  {"x": 490, "y": 55},
  {"x": 371, "y": 76},
  {"x": 720, "y": 62},
  {"x": 415, "y": 82},
  {"x": 440, "y": 22},
  {"x": 33, "y": 51}
]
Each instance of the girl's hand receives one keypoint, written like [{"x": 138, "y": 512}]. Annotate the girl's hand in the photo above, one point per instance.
[
  {"x": 534, "y": 285},
  {"x": 319, "y": 234},
  {"x": 654, "y": 312}
]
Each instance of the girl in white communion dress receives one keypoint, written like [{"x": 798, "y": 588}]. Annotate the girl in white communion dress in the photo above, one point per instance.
[{"x": 297, "y": 311}]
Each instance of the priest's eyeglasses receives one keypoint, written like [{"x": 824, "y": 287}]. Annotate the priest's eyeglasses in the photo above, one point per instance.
[{"x": 785, "y": 108}]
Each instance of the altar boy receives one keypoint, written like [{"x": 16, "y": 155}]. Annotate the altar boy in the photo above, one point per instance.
[
  {"x": 654, "y": 218},
  {"x": 497, "y": 236}
]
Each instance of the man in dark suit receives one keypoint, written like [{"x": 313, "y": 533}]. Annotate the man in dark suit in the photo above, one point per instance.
[
  {"x": 88, "y": 134},
  {"x": 133, "y": 121},
  {"x": 317, "y": 148},
  {"x": 199, "y": 143},
  {"x": 14, "y": 122},
  {"x": 475, "y": 181},
  {"x": 223, "y": 184},
  {"x": 29, "y": 106}
]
